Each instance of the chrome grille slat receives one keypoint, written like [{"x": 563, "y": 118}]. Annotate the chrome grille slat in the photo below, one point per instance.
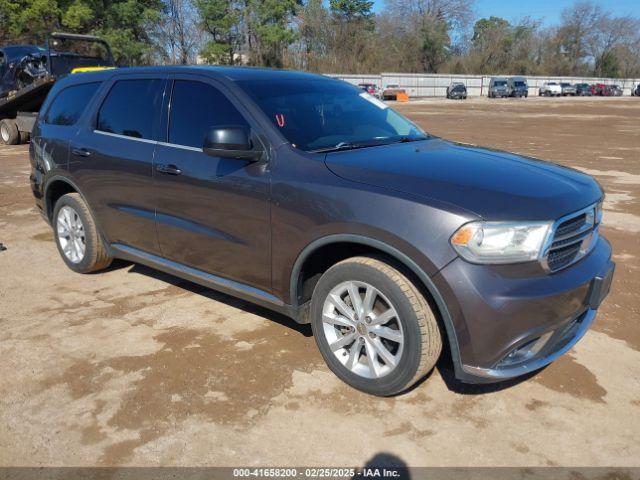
[
  {"x": 584, "y": 230},
  {"x": 571, "y": 239}
]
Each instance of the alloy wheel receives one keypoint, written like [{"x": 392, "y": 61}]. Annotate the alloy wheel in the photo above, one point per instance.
[
  {"x": 71, "y": 234},
  {"x": 4, "y": 133},
  {"x": 363, "y": 329}
]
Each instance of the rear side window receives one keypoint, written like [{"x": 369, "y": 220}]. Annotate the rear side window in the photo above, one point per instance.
[
  {"x": 68, "y": 106},
  {"x": 131, "y": 108},
  {"x": 195, "y": 108}
]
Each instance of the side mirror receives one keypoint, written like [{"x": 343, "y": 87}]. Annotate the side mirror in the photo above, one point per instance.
[{"x": 231, "y": 142}]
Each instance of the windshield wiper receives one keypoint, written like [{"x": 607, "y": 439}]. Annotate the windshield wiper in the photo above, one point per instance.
[
  {"x": 410, "y": 139},
  {"x": 343, "y": 146},
  {"x": 373, "y": 143}
]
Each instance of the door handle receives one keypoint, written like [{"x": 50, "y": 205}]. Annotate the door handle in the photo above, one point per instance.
[
  {"x": 168, "y": 169},
  {"x": 81, "y": 152}
]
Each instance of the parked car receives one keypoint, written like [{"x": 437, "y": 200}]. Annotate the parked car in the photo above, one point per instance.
[
  {"x": 568, "y": 89},
  {"x": 370, "y": 88},
  {"x": 391, "y": 91},
  {"x": 600, "y": 89},
  {"x": 550, "y": 89},
  {"x": 636, "y": 91},
  {"x": 518, "y": 87},
  {"x": 296, "y": 192},
  {"x": 614, "y": 90},
  {"x": 583, "y": 90},
  {"x": 498, "y": 87},
  {"x": 457, "y": 90}
]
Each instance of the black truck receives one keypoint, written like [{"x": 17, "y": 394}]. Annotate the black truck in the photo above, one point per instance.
[{"x": 27, "y": 73}]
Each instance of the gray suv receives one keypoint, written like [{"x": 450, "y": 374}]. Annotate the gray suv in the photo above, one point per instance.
[
  {"x": 498, "y": 87},
  {"x": 307, "y": 196}
]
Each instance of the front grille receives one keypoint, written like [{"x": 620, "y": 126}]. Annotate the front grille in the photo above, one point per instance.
[{"x": 571, "y": 238}]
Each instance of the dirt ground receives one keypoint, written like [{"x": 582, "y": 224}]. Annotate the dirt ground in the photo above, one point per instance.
[{"x": 134, "y": 367}]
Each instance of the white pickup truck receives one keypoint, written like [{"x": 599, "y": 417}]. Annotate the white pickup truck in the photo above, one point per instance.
[{"x": 550, "y": 89}]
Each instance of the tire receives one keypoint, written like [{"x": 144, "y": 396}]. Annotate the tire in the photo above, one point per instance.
[
  {"x": 69, "y": 214},
  {"x": 9, "y": 134},
  {"x": 409, "y": 321}
]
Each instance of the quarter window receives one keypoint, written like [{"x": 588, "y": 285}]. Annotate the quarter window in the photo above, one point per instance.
[
  {"x": 68, "y": 106},
  {"x": 195, "y": 108},
  {"x": 132, "y": 108}
]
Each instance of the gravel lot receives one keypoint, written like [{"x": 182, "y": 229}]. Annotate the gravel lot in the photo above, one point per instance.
[{"x": 134, "y": 367}]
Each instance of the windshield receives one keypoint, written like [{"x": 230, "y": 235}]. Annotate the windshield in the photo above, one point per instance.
[
  {"x": 520, "y": 84},
  {"x": 79, "y": 48},
  {"x": 329, "y": 114},
  {"x": 499, "y": 84}
]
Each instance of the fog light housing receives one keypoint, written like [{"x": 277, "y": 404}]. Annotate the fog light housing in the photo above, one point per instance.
[{"x": 526, "y": 351}]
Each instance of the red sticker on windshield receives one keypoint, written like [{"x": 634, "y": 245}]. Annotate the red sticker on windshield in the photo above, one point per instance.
[{"x": 280, "y": 119}]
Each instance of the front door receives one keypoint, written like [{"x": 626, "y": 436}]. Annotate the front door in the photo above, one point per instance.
[{"x": 212, "y": 213}]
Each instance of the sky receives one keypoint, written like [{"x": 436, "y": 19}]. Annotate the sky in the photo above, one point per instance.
[{"x": 546, "y": 10}]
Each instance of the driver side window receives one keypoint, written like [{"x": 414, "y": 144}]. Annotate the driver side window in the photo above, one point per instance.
[{"x": 195, "y": 108}]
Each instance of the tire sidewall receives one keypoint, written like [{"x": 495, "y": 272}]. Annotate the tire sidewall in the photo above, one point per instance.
[
  {"x": 89, "y": 233},
  {"x": 403, "y": 374}
]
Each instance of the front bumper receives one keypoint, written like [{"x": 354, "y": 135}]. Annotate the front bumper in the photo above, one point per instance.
[
  {"x": 512, "y": 320},
  {"x": 566, "y": 338}
]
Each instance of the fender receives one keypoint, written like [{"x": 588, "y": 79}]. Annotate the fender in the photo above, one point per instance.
[
  {"x": 60, "y": 178},
  {"x": 73, "y": 185},
  {"x": 445, "y": 315}
]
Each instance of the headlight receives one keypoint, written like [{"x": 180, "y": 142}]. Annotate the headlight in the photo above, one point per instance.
[{"x": 500, "y": 242}]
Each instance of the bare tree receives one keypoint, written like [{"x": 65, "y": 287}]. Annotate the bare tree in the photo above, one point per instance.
[{"x": 178, "y": 35}]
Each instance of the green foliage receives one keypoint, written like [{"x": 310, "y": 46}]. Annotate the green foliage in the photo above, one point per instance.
[
  {"x": 124, "y": 23},
  {"x": 221, "y": 20},
  {"x": 272, "y": 29},
  {"x": 351, "y": 9},
  {"x": 435, "y": 44},
  {"x": 607, "y": 65}
]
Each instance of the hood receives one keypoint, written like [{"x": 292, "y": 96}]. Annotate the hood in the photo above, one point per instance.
[{"x": 494, "y": 185}]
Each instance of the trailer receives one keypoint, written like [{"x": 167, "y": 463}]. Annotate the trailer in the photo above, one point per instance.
[{"x": 27, "y": 73}]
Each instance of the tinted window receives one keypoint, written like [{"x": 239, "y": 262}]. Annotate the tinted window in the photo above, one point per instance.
[
  {"x": 131, "y": 108},
  {"x": 320, "y": 114},
  {"x": 195, "y": 108},
  {"x": 68, "y": 106}
]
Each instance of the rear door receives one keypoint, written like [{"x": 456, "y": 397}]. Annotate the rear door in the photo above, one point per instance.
[
  {"x": 112, "y": 159},
  {"x": 58, "y": 125},
  {"x": 212, "y": 213}
]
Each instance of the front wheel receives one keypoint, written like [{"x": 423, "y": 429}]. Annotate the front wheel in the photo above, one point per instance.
[{"x": 374, "y": 328}]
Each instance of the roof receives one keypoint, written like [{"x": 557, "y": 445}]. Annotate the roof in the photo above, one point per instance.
[{"x": 230, "y": 73}]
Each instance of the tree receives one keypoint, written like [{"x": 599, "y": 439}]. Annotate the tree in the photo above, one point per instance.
[
  {"x": 577, "y": 25},
  {"x": 351, "y": 10},
  {"x": 221, "y": 20},
  {"x": 315, "y": 36},
  {"x": 177, "y": 35},
  {"x": 270, "y": 28}
]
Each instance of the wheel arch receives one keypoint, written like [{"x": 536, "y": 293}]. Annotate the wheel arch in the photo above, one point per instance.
[
  {"x": 373, "y": 245},
  {"x": 55, "y": 188}
]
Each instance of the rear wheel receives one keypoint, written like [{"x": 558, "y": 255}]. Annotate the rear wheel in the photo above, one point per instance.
[
  {"x": 373, "y": 327},
  {"x": 9, "y": 134},
  {"x": 79, "y": 243}
]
